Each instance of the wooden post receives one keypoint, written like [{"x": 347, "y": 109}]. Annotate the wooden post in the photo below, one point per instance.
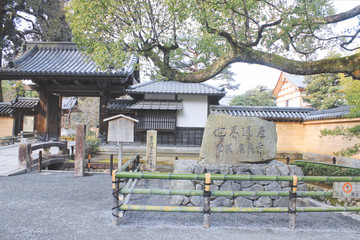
[
  {"x": 292, "y": 208},
  {"x": 207, "y": 195},
  {"x": 72, "y": 152},
  {"x": 151, "y": 148},
  {"x": 80, "y": 150},
  {"x": 65, "y": 151},
  {"x": 334, "y": 160},
  {"x": 120, "y": 150},
  {"x": 24, "y": 159},
  {"x": 111, "y": 163},
  {"x": 287, "y": 160},
  {"x": 116, "y": 187},
  {"x": 40, "y": 161}
]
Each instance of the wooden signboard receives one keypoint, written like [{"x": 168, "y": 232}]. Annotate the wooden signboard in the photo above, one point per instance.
[{"x": 121, "y": 128}]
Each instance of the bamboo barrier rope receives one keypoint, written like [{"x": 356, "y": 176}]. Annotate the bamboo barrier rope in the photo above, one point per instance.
[
  {"x": 178, "y": 176},
  {"x": 224, "y": 193},
  {"x": 235, "y": 209}
]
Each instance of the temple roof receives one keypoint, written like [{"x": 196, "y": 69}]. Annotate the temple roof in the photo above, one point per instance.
[
  {"x": 157, "y": 105},
  {"x": 5, "y": 109},
  {"x": 58, "y": 58},
  {"x": 173, "y": 87},
  {"x": 340, "y": 112},
  {"x": 278, "y": 114},
  {"x": 281, "y": 114},
  {"x": 297, "y": 80},
  {"x": 25, "y": 103}
]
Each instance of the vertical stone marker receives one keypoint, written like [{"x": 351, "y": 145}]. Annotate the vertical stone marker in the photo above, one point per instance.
[
  {"x": 232, "y": 140},
  {"x": 80, "y": 150},
  {"x": 151, "y": 148}
]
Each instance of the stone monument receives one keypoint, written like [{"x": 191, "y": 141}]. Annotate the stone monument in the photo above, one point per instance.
[
  {"x": 232, "y": 140},
  {"x": 240, "y": 146}
]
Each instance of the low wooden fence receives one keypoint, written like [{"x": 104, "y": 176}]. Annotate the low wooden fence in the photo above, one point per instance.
[
  {"x": 206, "y": 193},
  {"x": 12, "y": 139},
  {"x": 45, "y": 158}
]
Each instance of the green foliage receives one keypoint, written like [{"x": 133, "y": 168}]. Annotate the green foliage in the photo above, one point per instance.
[
  {"x": 318, "y": 169},
  {"x": 347, "y": 133},
  {"x": 322, "y": 91},
  {"x": 352, "y": 89},
  {"x": 30, "y": 19},
  {"x": 89, "y": 112},
  {"x": 9, "y": 93},
  {"x": 92, "y": 145},
  {"x": 258, "y": 96},
  {"x": 12, "y": 89},
  {"x": 193, "y": 41}
]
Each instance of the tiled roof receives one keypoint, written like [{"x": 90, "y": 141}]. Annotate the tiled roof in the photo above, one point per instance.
[
  {"x": 68, "y": 103},
  {"x": 297, "y": 80},
  {"x": 157, "y": 105},
  {"x": 173, "y": 87},
  {"x": 268, "y": 113},
  {"x": 340, "y": 112},
  {"x": 24, "y": 102},
  {"x": 119, "y": 104},
  {"x": 50, "y": 58},
  {"x": 5, "y": 109}
]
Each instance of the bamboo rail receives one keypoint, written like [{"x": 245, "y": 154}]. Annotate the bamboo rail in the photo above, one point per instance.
[
  {"x": 179, "y": 176},
  {"x": 235, "y": 209},
  {"x": 224, "y": 193}
]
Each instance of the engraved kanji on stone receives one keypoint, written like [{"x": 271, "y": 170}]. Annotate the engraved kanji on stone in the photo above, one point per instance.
[
  {"x": 261, "y": 132},
  {"x": 241, "y": 149},
  {"x": 251, "y": 148},
  {"x": 259, "y": 147},
  {"x": 220, "y": 132},
  {"x": 220, "y": 148},
  {"x": 234, "y": 133},
  {"x": 229, "y": 148},
  {"x": 247, "y": 132}
]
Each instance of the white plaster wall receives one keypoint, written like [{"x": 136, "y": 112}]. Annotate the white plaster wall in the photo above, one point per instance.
[{"x": 194, "y": 112}]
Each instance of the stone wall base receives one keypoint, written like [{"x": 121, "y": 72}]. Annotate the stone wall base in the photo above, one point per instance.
[{"x": 272, "y": 168}]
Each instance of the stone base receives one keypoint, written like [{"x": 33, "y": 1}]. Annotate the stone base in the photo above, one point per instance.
[{"x": 272, "y": 168}]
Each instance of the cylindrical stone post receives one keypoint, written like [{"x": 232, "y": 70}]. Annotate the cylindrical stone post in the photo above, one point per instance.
[
  {"x": 80, "y": 150},
  {"x": 151, "y": 148}
]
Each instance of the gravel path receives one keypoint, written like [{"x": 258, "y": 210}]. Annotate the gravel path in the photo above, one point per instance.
[{"x": 60, "y": 206}]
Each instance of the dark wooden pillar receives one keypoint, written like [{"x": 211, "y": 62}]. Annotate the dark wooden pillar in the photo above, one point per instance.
[
  {"x": 53, "y": 117},
  {"x": 103, "y": 126},
  {"x": 41, "y": 115}
]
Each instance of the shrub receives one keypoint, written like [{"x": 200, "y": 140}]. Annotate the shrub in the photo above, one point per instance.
[
  {"x": 319, "y": 169},
  {"x": 92, "y": 145}
]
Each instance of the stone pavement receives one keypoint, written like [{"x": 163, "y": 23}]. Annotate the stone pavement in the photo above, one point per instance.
[{"x": 9, "y": 160}]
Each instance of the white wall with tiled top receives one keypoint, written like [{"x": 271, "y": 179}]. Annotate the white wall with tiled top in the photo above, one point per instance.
[{"x": 194, "y": 112}]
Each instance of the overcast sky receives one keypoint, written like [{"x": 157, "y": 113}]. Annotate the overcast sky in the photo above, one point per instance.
[{"x": 251, "y": 75}]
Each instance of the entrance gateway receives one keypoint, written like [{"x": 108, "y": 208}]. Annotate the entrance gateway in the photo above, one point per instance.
[{"x": 59, "y": 69}]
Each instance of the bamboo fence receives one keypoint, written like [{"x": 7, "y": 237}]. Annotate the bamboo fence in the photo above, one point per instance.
[{"x": 207, "y": 178}]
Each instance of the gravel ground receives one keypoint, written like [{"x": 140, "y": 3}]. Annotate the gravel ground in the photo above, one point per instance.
[{"x": 59, "y": 206}]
